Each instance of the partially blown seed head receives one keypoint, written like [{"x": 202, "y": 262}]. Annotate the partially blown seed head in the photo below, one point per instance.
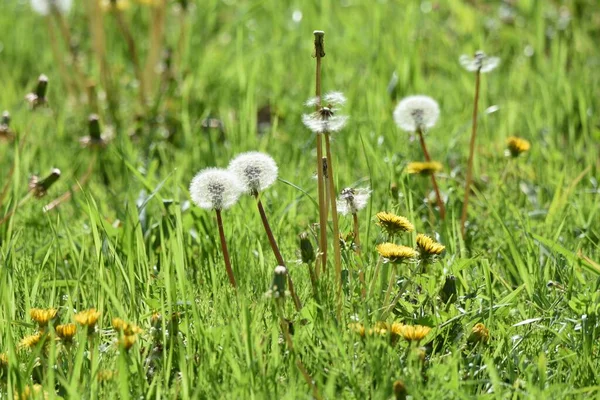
[
  {"x": 416, "y": 113},
  {"x": 351, "y": 200},
  {"x": 326, "y": 119},
  {"x": 480, "y": 62},
  {"x": 256, "y": 171},
  {"x": 215, "y": 189},
  {"x": 44, "y": 7}
]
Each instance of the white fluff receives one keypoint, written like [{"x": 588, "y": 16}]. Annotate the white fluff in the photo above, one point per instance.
[
  {"x": 44, "y": 7},
  {"x": 351, "y": 200},
  {"x": 480, "y": 61},
  {"x": 326, "y": 119},
  {"x": 215, "y": 189},
  {"x": 331, "y": 98},
  {"x": 256, "y": 171},
  {"x": 416, "y": 113}
]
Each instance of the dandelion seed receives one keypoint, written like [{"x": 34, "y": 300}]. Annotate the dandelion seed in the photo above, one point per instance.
[
  {"x": 480, "y": 62},
  {"x": 517, "y": 146},
  {"x": 66, "y": 332},
  {"x": 424, "y": 168},
  {"x": 45, "y": 7},
  {"x": 416, "y": 113},
  {"x": 393, "y": 223},
  {"x": 396, "y": 253},
  {"x": 43, "y": 316},
  {"x": 326, "y": 119},
  {"x": 479, "y": 334},
  {"x": 428, "y": 247},
  {"x": 351, "y": 200},
  {"x": 256, "y": 171},
  {"x": 215, "y": 189},
  {"x": 414, "y": 333}
]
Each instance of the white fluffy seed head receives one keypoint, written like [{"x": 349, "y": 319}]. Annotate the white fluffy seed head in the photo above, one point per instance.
[
  {"x": 256, "y": 171},
  {"x": 416, "y": 113},
  {"x": 215, "y": 189},
  {"x": 351, "y": 200},
  {"x": 44, "y": 7},
  {"x": 331, "y": 99},
  {"x": 480, "y": 61}
]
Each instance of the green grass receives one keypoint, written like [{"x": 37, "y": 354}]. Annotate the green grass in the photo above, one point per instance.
[{"x": 121, "y": 246}]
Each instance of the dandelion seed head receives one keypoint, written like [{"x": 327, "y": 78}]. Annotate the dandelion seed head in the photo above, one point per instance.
[
  {"x": 415, "y": 113},
  {"x": 480, "y": 62},
  {"x": 326, "y": 119},
  {"x": 44, "y": 7},
  {"x": 351, "y": 200},
  {"x": 256, "y": 171},
  {"x": 215, "y": 189}
]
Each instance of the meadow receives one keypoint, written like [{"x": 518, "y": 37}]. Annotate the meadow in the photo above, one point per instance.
[{"x": 113, "y": 281}]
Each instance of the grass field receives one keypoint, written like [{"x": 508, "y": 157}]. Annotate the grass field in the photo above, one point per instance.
[{"x": 127, "y": 240}]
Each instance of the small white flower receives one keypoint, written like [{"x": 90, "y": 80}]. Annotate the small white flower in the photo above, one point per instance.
[
  {"x": 215, "y": 189},
  {"x": 44, "y": 7},
  {"x": 480, "y": 62},
  {"x": 415, "y": 113},
  {"x": 326, "y": 118},
  {"x": 351, "y": 200},
  {"x": 256, "y": 171}
]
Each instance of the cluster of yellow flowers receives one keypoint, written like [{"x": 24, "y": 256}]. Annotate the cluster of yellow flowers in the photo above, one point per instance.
[
  {"x": 426, "y": 249},
  {"x": 128, "y": 332},
  {"x": 394, "y": 330}
]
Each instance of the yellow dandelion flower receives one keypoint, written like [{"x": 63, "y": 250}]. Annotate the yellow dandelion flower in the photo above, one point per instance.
[
  {"x": 88, "y": 318},
  {"x": 32, "y": 392},
  {"x": 114, "y": 5},
  {"x": 400, "y": 390},
  {"x": 479, "y": 333},
  {"x": 32, "y": 340},
  {"x": 126, "y": 328},
  {"x": 393, "y": 223},
  {"x": 428, "y": 247},
  {"x": 380, "y": 329},
  {"x": 43, "y": 315},
  {"x": 416, "y": 332},
  {"x": 396, "y": 253},
  {"x": 3, "y": 360},
  {"x": 127, "y": 341},
  {"x": 106, "y": 375},
  {"x": 358, "y": 328},
  {"x": 424, "y": 168},
  {"x": 66, "y": 332},
  {"x": 517, "y": 145}
]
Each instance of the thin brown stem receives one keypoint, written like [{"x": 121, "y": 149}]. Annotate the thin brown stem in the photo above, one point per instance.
[
  {"x": 439, "y": 200},
  {"x": 225, "y": 250},
  {"x": 356, "y": 234},
  {"x": 463, "y": 218},
  {"x": 275, "y": 247},
  {"x": 319, "y": 53},
  {"x": 133, "y": 53},
  {"x": 337, "y": 251}
]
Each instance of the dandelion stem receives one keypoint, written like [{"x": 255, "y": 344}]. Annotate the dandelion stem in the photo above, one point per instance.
[
  {"x": 356, "y": 234},
  {"x": 463, "y": 218},
  {"x": 58, "y": 58},
  {"x": 278, "y": 256},
  {"x": 319, "y": 53},
  {"x": 440, "y": 202},
  {"x": 224, "y": 248},
  {"x": 66, "y": 34},
  {"x": 133, "y": 53}
]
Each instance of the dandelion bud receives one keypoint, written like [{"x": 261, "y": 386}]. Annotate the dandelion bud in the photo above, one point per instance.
[
  {"x": 95, "y": 139},
  {"x": 5, "y": 131},
  {"x": 215, "y": 189},
  {"x": 416, "y": 113},
  {"x": 479, "y": 334},
  {"x": 256, "y": 171},
  {"x": 40, "y": 187},
  {"x": 448, "y": 292},
  {"x": 400, "y": 390},
  {"x": 279, "y": 282},
  {"x": 351, "y": 200},
  {"x": 319, "y": 43},
  {"x": 307, "y": 250},
  {"x": 38, "y": 97},
  {"x": 45, "y": 7}
]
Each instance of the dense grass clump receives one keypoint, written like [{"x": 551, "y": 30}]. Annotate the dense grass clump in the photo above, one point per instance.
[{"x": 119, "y": 279}]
